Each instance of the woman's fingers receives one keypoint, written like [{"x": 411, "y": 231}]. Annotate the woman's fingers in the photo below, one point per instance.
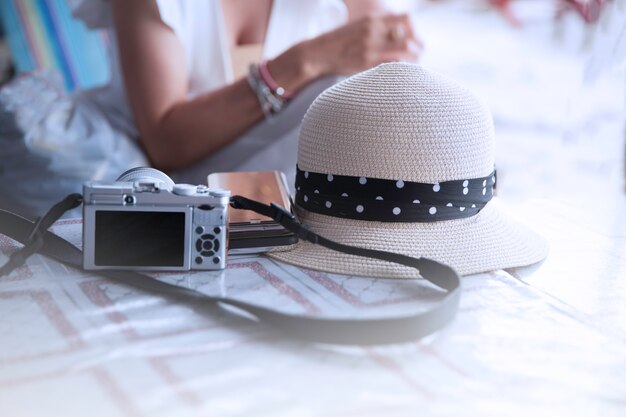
[
  {"x": 368, "y": 42},
  {"x": 401, "y": 42},
  {"x": 400, "y": 31},
  {"x": 410, "y": 53}
]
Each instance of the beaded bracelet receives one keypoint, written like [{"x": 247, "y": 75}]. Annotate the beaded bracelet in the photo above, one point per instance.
[
  {"x": 270, "y": 103},
  {"x": 272, "y": 84}
]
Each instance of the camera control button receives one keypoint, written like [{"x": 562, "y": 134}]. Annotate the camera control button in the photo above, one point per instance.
[
  {"x": 217, "y": 230},
  {"x": 199, "y": 259},
  {"x": 198, "y": 245},
  {"x": 216, "y": 260},
  {"x": 184, "y": 189},
  {"x": 216, "y": 244},
  {"x": 129, "y": 199},
  {"x": 208, "y": 245},
  {"x": 207, "y": 253},
  {"x": 199, "y": 230},
  {"x": 207, "y": 237}
]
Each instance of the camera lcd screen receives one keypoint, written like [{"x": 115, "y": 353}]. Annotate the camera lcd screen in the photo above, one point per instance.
[{"x": 139, "y": 238}]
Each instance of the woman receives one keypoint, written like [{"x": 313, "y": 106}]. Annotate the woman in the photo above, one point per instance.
[
  {"x": 178, "y": 90},
  {"x": 177, "y": 130}
]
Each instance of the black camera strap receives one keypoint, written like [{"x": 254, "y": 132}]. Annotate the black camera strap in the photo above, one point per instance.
[{"x": 397, "y": 329}]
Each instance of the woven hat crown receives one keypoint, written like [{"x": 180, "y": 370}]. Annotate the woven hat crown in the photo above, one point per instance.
[{"x": 398, "y": 121}]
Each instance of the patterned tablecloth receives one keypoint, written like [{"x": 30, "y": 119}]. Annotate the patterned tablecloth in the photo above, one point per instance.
[{"x": 544, "y": 341}]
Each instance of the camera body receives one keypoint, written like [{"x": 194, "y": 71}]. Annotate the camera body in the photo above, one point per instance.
[{"x": 144, "y": 221}]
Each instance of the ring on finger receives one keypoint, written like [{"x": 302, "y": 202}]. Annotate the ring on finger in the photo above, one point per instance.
[{"x": 397, "y": 32}]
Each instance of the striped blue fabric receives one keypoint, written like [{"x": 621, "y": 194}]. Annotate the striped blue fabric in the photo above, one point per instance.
[{"x": 43, "y": 34}]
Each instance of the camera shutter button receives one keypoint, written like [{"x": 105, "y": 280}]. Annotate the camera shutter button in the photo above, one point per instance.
[
  {"x": 202, "y": 189},
  {"x": 184, "y": 189}
]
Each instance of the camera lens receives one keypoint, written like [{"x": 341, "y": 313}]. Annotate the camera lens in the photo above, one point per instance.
[
  {"x": 129, "y": 199},
  {"x": 146, "y": 174}
]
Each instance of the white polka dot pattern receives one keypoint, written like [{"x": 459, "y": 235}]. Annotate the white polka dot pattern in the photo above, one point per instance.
[{"x": 386, "y": 200}]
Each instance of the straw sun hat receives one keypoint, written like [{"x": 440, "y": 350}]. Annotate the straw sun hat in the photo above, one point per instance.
[{"x": 400, "y": 158}]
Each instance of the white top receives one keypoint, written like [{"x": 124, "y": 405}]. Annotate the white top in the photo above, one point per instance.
[{"x": 200, "y": 27}]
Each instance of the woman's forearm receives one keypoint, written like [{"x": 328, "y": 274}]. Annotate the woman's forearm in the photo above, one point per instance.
[
  {"x": 175, "y": 130},
  {"x": 192, "y": 129}
]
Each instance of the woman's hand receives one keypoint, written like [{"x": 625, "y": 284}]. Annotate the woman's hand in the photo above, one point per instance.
[
  {"x": 357, "y": 46},
  {"x": 363, "y": 44}
]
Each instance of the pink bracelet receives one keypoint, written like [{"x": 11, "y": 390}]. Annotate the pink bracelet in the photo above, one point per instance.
[{"x": 267, "y": 78}]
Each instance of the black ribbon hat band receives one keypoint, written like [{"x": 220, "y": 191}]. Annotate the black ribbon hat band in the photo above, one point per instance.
[{"x": 376, "y": 199}]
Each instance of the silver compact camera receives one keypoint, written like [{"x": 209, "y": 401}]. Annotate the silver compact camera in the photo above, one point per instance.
[{"x": 144, "y": 221}]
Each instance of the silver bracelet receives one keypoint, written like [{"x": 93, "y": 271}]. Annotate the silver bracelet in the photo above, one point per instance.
[{"x": 271, "y": 104}]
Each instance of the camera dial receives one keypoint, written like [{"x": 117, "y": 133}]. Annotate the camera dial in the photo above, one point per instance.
[
  {"x": 147, "y": 175},
  {"x": 184, "y": 189}
]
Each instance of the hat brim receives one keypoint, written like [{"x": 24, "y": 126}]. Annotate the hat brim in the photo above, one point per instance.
[{"x": 488, "y": 241}]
